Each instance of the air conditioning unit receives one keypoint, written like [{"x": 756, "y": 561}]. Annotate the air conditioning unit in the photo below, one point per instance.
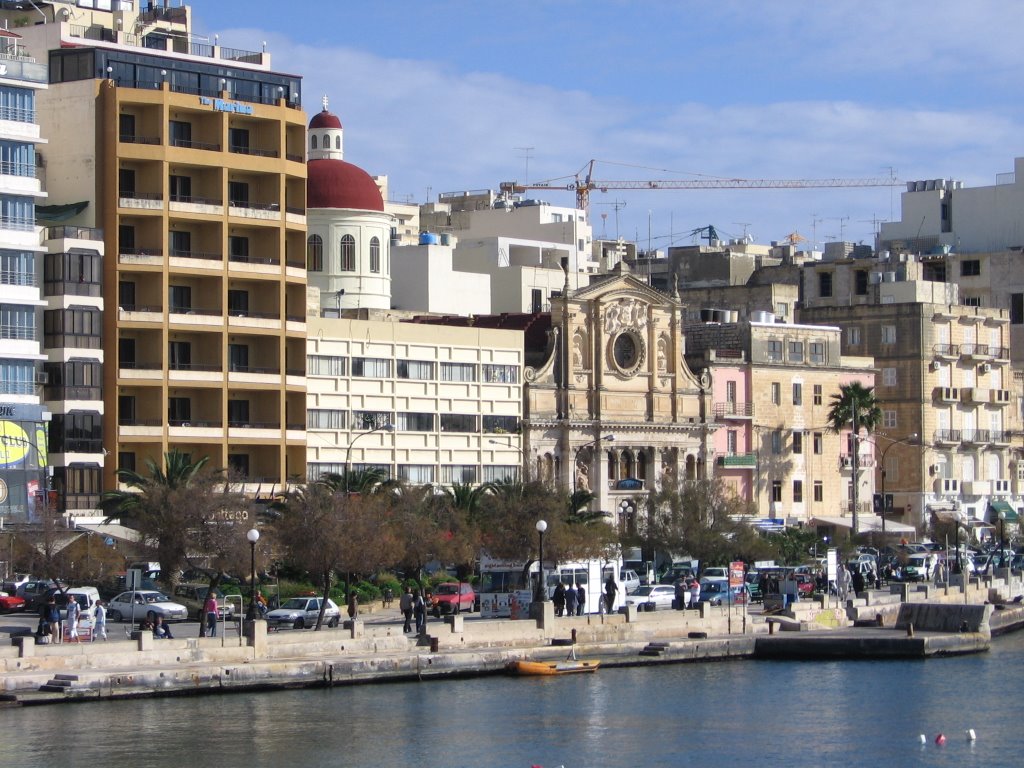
[
  {"x": 984, "y": 368},
  {"x": 846, "y": 462},
  {"x": 934, "y": 469},
  {"x": 42, "y": 377}
]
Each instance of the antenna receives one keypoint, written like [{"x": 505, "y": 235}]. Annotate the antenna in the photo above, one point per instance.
[
  {"x": 743, "y": 224},
  {"x": 617, "y": 205},
  {"x": 526, "y": 154}
]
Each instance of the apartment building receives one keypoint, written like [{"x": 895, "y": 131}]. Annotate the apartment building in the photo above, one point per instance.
[
  {"x": 945, "y": 382},
  {"x": 190, "y": 157},
  {"x": 424, "y": 402},
  {"x": 772, "y": 385},
  {"x": 23, "y": 419}
]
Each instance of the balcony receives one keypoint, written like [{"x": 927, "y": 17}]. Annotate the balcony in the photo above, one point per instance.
[
  {"x": 947, "y": 486},
  {"x": 999, "y": 396},
  {"x": 975, "y": 436},
  {"x": 143, "y": 256},
  {"x": 863, "y": 508},
  {"x": 947, "y": 437},
  {"x": 974, "y": 395},
  {"x": 946, "y": 394},
  {"x": 998, "y": 437},
  {"x": 737, "y": 461},
  {"x": 975, "y": 351},
  {"x": 1001, "y": 487},
  {"x": 247, "y": 210},
  {"x": 863, "y": 462},
  {"x": 191, "y": 259},
  {"x": 731, "y": 410},
  {"x": 976, "y": 487},
  {"x": 946, "y": 351}
]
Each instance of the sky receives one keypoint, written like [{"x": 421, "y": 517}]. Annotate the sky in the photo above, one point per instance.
[{"x": 446, "y": 96}]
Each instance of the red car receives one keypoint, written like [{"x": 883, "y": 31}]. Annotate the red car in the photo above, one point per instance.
[
  {"x": 804, "y": 584},
  {"x": 10, "y": 603},
  {"x": 452, "y": 597}
]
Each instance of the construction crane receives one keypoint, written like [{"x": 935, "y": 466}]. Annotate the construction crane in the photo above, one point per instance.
[{"x": 584, "y": 183}]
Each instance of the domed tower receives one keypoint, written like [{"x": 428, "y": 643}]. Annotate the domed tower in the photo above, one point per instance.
[{"x": 348, "y": 253}]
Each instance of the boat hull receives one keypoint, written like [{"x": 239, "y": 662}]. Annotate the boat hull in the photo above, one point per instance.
[{"x": 546, "y": 668}]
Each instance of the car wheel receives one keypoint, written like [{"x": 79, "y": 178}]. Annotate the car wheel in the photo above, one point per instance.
[
  {"x": 299, "y": 624},
  {"x": 115, "y": 615},
  {"x": 333, "y": 623}
]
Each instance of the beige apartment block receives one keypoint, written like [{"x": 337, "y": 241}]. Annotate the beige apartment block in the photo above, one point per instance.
[
  {"x": 944, "y": 381},
  {"x": 614, "y": 368},
  {"x": 191, "y": 158},
  {"x": 423, "y": 401},
  {"x": 773, "y": 385}
]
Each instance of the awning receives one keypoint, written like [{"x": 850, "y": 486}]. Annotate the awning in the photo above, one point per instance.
[
  {"x": 865, "y": 524},
  {"x": 57, "y": 214},
  {"x": 947, "y": 512},
  {"x": 1002, "y": 508}
]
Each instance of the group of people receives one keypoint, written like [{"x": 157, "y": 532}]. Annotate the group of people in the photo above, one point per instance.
[
  {"x": 50, "y": 628},
  {"x": 687, "y": 592},
  {"x": 414, "y": 609},
  {"x": 569, "y": 600}
]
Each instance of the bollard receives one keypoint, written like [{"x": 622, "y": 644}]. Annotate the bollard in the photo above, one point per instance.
[
  {"x": 910, "y": 630},
  {"x": 878, "y": 620},
  {"x": 771, "y": 627},
  {"x": 433, "y": 645},
  {"x": 574, "y": 637}
]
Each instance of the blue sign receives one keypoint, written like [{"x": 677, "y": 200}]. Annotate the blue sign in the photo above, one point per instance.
[
  {"x": 630, "y": 484},
  {"x": 221, "y": 105}
]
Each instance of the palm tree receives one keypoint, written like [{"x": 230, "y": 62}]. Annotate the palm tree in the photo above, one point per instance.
[
  {"x": 164, "y": 504},
  {"x": 354, "y": 480},
  {"x": 850, "y": 397}
]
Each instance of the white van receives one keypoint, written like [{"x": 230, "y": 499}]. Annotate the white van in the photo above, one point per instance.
[{"x": 86, "y": 598}]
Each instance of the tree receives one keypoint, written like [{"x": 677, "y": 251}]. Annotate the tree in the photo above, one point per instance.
[
  {"x": 355, "y": 480},
  {"x": 854, "y": 394},
  {"x": 168, "y": 504}
]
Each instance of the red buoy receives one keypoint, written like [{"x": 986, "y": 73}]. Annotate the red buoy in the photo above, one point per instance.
[{"x": 940, "y": 739}]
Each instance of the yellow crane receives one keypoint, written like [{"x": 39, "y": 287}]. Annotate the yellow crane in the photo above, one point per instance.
[{"x": 584, "y": 183}]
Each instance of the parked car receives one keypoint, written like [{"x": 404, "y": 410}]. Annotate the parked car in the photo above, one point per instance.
[
  {"x": 919, "y": 567},
  {"x": 804, "y": 584},
  {"x": 715, "y": 572},
  {"x": 10, "y": 586},
  {"x": 148, "y": 604},
  {"x": 652, "y": 597},
  {"x": 452, "y": 597},
  {"x": 630, "y": 580},
  {"x": 194, "y": 597},
  {"x": 717, "y": 592},
  {"x": 300, "y": 612},
  {"x": 11, "y": 603},
  {"x": 86, "y": 598},
  {"x": 36, "y": 593}
]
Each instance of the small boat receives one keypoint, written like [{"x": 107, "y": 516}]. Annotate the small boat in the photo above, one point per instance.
[{"x": 567, "y": 667}]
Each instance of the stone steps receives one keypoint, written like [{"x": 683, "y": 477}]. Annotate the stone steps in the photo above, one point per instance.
[
  {"x": 654, "y": 649},
  {"x": 60, "y": 684}
]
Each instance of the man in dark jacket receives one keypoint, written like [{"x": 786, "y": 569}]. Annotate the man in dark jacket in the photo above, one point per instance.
[{"x": 558, "y": 598}]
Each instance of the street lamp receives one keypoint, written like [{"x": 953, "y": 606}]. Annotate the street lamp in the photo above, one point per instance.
[
  {"x": 386, "y": 426},
  {"x": 626, "y": 510},
  {"x": 522, "y": 452},
  {"x": 911, "y": 439},
  {"x": 1002, "y": 537},
  {"x": 576, "y": 455},
  {"x": 253, "y": 536},
  {"x": 542, "y": 593}
]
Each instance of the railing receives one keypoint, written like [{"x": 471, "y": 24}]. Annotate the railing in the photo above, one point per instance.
[
  {"x": 17, "y": 277},
  {"x": 295, "y": 319},
  {"x": 73, "y": 233},
  {"x": 998, "y": 436},
  {"x": 947, "y": 436},
  {"x": 72, "y": 393},
  {"x": 295, "y": 371},
  {"x": 80, "y": 446},
  {"x": 975, "y": 350},
  {"x": 255, "y": 424},
  {"x": 238, "y": 54},
  {"x": 142, "y": 252},
  {"x": 208, "y": 423},
  {"x": 190, "y": 144},
  {"x": 139, "y": 308},
  {"x": 135, "y": 365},
  {"x": 863, "y": 507},
  {"x": 724, "y": 410},
  {"x": 133, "y": 139},
  {"x": 23, "y": 332},
  {"x": 201, "y": 255},
  {"x": 17, "y": 114},
  {"x": 946, "y": 350},
  {"x": 204, "y": 311},
  {"x": 253, "y": 369},
  {"x": 255, "y": 315},
  {"x": 17, "y": 224},
  {"x": 747, "y": 460},
  {"x": 255, "y": 206},
  {"x": 7, "y": 168},
  {"x": 239, "y": 150},
  {"x": 17, "y": 387},
  {"x": 72, "y": 340},
  {"x": 295, "y": 209},
  {"x": 131, "y": 194},
  {"x": 131, "y": 422},
  {"x": 294, "y": 158},
  {"x": 253, "y": 259},
  {"x": 211, "y": 367},
  {"x": 196, "y": 200},
  {"x": 975, "y": 436},
  {"x": 71, "y": 288},
  {"x": 81, "y": 500}
]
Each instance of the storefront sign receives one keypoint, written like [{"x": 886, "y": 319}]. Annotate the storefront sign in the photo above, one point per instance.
[{"x": 222, "y": 105}]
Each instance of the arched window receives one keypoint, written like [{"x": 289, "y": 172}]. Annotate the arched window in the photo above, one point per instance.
[
  {"x": 313, "y": 139},
  {"x": 327, "y": 141},
  {"x": 374, "y": 254},
  {"x": 337, "y": 142},
  {"x": 347, "y": 254},
  {"x": 315, "y": 254},
  {"x": 641, "y": 465}
]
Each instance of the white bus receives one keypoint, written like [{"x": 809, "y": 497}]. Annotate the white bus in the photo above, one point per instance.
[{"x": 507, "y": 591}]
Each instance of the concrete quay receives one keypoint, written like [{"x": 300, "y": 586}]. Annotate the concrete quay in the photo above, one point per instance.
[{"x": 945, "y": 622}]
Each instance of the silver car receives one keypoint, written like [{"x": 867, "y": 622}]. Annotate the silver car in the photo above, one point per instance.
[
  {"x": 145, "y": 604},
  {"x": 299, "y": 612},
  {"x": 652, "y": 597}
]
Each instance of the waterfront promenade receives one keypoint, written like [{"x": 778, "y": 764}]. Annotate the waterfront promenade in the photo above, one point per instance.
[{"x": 905, "y": 621}]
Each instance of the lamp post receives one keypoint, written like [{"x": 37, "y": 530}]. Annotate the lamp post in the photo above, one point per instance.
[
  {"x": 908, "y": 440},
  {"x": 1002, "y": 537},
  {"x": 626, "y": 510},
  {"x": 576, "y": 455},
  {"x": 522, "y": 452},
  {"x": 253, "y": 536},
  {"x": 386, "y": 426},
  {"x": 542, "y": 593}
]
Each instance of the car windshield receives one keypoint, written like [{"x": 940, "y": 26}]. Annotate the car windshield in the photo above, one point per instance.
[
  {"x": 156, "y": 597},
  {"x": 295, "y": 603},
  {"x": 643, "y": 591},
  {"x": 447, "y": 589},
  {"x": 713, "y": 587}
]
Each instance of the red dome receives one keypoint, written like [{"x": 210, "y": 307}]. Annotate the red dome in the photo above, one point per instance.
[
  {"x": 337, "y": 184},
  {"x": 325, "y": 120}
]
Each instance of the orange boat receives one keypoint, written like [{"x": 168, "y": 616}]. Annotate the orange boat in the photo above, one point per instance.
[{"x": 568, "y": 667}]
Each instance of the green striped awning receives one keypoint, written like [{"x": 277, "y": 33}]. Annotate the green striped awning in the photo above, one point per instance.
[{"x": 1001, "y": 507}]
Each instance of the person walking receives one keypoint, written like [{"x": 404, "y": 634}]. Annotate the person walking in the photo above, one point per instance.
[
  {"x": 210, "y": 609},
  {"x": 570, "y": 600},
  {"x": 581, "y": 599},
  {"x": 558, "y": 598},
  {"x": 419, "y": 612},
  {"x": 51, "y": 616},
  {"x": 74, "y": 613},
  {"x": 99, "y": 625},
  {"x": 610, "y": 590},
  {"x": 405, "y": 606}
]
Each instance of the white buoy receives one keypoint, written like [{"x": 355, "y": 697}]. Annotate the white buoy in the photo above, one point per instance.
[
  {"x": 924, "y": 740},
  {"x": 970, "y": 734}
]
